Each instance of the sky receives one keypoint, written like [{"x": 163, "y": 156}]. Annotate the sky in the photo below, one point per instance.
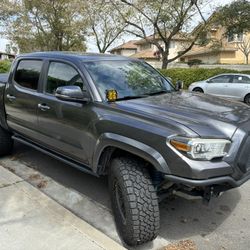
[{"x": 91, "y": 45}]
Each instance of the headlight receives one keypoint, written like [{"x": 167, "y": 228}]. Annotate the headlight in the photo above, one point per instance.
[{"x": 202, "y": 149}]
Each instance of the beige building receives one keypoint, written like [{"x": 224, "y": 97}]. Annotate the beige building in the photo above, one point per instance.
[
  {"x": 6, "y": 56},
  {"x": 126, "y": 49},
  {"x": 221, "y": 49},
  {"x": 143, "y": 49}
]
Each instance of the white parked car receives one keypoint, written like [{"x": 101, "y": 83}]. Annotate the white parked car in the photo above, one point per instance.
[{"x": 234, "y": 86}]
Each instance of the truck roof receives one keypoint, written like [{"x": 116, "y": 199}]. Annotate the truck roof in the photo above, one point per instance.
[{"x": 75, "y": 55}]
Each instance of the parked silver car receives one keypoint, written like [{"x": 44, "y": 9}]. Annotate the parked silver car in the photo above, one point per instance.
[{"x": 234, "y": 86}]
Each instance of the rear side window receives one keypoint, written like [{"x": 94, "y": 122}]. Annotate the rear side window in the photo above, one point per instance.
[
  {"x": 241, "y": 79},
  {"x": 28, "y": 73},
  {"x": 62, "y": 74}
]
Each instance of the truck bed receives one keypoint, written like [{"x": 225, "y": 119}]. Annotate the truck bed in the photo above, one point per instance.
[{"x": 4, "y": 77}]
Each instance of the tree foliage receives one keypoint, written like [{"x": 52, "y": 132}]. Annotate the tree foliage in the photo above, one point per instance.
[
  {"x": 39, "y": 25},
  {"x": 46, "y": 25},
  {"x": 164, "y": 19},
  {"x": 235, "y": 17},
  {"x": 5, "y": 66},
  {"x": 6, "y": 9},
  {"x": 104, "y": 22}
]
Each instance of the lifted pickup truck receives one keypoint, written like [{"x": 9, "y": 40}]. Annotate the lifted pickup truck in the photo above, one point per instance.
[{"x": 115, "y": 116}]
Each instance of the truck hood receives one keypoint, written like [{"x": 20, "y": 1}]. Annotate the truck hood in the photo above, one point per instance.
[{"x": 205, "y": 115}]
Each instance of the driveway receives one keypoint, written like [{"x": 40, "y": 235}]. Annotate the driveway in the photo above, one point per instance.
[{"x": 221, "y": 225}]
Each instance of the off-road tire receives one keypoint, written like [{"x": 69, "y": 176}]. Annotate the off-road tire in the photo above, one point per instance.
[
  {"x": 6, "y": 143},
  {"x": 200, "y": 90},
  {"x": 134, "y": 201}
]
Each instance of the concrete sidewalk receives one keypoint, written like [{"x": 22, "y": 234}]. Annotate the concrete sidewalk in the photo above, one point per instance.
[{"x": 31, "y": 220}]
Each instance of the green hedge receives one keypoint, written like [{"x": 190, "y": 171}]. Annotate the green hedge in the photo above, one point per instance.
[
  {"x": 189, "y": 76},
  {"x": 5, "y": 66}
]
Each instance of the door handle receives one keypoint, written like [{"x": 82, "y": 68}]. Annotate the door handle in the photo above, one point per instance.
[
  {"x": 43, "y": 107},
  {"x": 11, "y": 97}
]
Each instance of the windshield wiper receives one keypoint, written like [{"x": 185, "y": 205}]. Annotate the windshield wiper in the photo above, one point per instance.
[
  {"x": 129, "y": 97},
  {"x": 159, "y": 92}
]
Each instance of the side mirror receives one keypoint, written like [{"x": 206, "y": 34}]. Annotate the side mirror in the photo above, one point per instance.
[
  {"x": 71, "y": 94},
  {"x": 179, "y": 85}
]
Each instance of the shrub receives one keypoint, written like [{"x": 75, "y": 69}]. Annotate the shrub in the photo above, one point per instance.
[
  {"x": 191, "y": 75},
  {"x": 5, "y": 66},
  {"x": 194, "y": 62}
]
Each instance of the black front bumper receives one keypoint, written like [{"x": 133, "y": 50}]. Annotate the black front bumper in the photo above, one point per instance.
[{"x": 223, "y": 180}]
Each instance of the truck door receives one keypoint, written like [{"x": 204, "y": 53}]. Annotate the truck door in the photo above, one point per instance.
[
  {"x": 21, "y": 97},
  {"x": 64, "y": 125}
]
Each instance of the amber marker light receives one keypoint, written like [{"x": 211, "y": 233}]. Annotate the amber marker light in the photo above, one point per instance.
[
  {"x": 180, "y": 146},
  {"x": 111, "y": 95}
]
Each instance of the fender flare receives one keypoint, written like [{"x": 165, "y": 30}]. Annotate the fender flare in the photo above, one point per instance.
[{"x": 132, "y": 146}]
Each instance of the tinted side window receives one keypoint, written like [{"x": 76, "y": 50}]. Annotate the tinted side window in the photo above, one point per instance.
[
  {"x": 61, "y": 74},
  {"x": 221, "y": 79},
  {"x": 28, "y": 73},
  {"x": 241, "y": 79}
]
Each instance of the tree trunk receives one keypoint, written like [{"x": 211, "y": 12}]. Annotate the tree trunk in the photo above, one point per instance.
[
  {"x": 164, "y": 61},
  {"x": 102, "y": 51},
  {"x": 247, "y": 59},
  {"x": 165, "y": 55}
]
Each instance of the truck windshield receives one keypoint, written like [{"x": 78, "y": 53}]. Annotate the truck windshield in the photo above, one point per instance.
[{"x": 131, "y": 79}]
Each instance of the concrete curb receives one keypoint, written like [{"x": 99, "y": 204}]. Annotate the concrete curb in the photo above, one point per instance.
[{"x": 58, "y": 212}]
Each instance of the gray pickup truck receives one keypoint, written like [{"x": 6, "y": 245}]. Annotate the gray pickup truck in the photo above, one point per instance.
[{"x": 115, "y": 116}]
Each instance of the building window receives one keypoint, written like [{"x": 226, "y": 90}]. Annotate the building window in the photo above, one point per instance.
[
  {"x": 172, "y": 44},
  {"x": 145, "y": 46},
  {"x": 240, "y": 37},
  {"x": 213, "y": 33},
  {"x": 235, "y": 37},
  {"x": 230, "y": 37}
]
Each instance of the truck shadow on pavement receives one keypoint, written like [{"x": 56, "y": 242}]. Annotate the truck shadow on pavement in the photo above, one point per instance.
[{"x": 180, "y": 218}]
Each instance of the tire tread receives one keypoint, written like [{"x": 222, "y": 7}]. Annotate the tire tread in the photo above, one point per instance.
[{"x": 143, "y": 221}]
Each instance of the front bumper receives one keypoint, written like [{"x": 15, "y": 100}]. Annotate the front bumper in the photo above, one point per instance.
[
  {"x": 222, "y": 181},
  {"x": 233, "y": 169}
]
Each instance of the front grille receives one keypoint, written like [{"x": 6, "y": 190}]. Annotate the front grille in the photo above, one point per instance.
[{"x": 244, "y": 156}]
